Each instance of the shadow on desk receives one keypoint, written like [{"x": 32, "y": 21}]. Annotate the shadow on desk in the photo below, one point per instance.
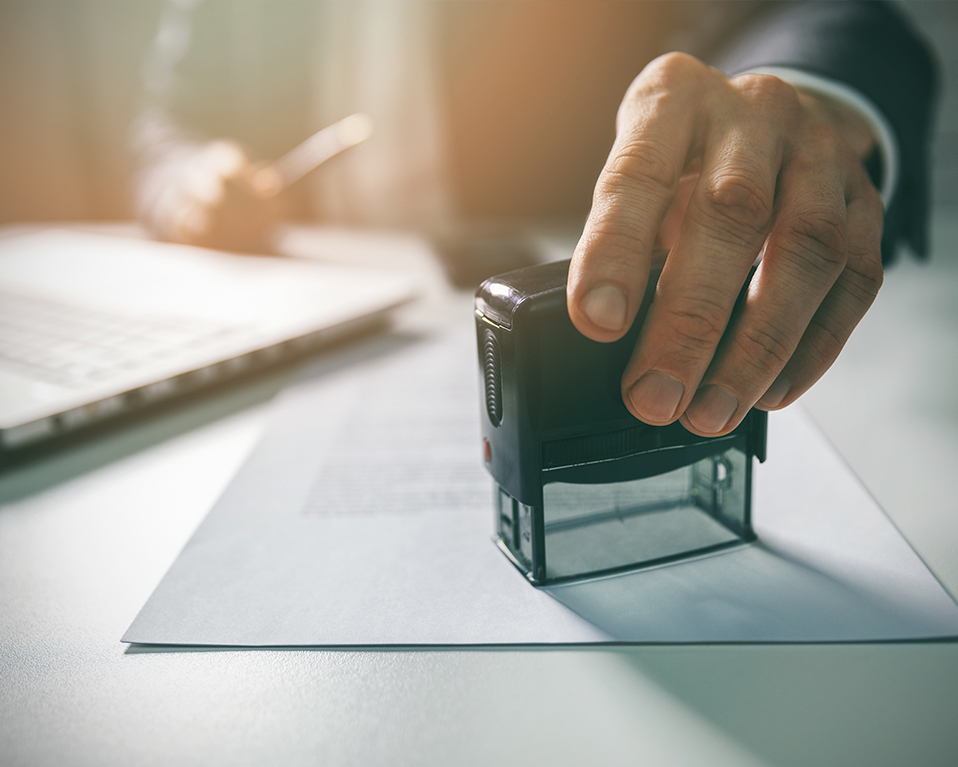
[{"x": 802, "y": 601}]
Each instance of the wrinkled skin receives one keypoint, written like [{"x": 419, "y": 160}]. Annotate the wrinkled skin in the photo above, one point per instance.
[{"x": 722, "y": 171}]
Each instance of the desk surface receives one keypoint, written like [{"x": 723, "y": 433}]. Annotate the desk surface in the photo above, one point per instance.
[{"x": 87, "y": 532}]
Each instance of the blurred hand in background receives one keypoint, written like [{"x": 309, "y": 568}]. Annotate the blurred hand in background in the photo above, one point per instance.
[{"x": 214, "y": 197}]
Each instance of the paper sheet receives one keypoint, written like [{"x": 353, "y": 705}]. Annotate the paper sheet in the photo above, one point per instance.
[{"x": 364, "y": 517}]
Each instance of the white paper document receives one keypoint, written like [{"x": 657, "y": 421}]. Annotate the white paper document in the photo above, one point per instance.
[{"x": 365, "y": 517}]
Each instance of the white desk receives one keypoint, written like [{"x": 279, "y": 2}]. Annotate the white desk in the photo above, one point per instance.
[{"x": 86, "y": 533}]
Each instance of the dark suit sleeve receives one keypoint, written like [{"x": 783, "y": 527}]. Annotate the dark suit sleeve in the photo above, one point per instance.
[{"x": 871, "y": 47}]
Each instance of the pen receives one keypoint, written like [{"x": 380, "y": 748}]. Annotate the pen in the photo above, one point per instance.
[{"x": 272, "y": 179}]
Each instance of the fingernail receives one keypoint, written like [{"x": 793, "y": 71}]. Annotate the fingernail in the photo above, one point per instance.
[
  {"x": 606, "y": 306},
  {"x": 711, "y": 409},
  {"x": 656, "y": 396},
  {"x": 776, "y": 392}
]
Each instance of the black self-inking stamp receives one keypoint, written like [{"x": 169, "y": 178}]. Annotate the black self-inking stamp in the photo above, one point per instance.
[{"x": 582, "y": 488}]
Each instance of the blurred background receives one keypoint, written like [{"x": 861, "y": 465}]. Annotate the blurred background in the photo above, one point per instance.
[
  {"x": 71, "y": 82},
  {"x": 76, "y": 75}
]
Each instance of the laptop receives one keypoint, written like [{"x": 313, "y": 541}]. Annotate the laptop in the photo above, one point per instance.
[{"x": 93, "y": 326}]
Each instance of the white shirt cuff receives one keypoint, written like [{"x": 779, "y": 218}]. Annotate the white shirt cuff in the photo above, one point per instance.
[{"x": 887, "y": 142}]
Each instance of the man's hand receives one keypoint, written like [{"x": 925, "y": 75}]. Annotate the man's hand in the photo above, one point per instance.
[
  {"x": 212, "y": 199},
  {"x": 722, "y": 171}
]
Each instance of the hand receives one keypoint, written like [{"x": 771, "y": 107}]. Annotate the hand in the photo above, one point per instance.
[
  {"x": 723, "y": 171},
  {"x": 212, "y": 199}
]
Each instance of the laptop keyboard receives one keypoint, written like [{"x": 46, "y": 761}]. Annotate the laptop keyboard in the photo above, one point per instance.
[{"x": 73, "y": 345}]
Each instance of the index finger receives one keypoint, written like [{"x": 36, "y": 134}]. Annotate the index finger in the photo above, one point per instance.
[{"x": 657, "y": 133}]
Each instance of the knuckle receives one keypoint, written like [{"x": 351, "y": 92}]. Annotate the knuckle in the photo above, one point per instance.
[
  {"x": 823, "y": 147},
  {"x": 865, "y": 279},
  {"x": 640, "y": 161},
  {"x": 764, "y": 348},
  {"x": 696, "y": 325},
  {"x": 617, "y": 242},
  {"x": 826, "y": 346},
  {"x": 656, "y": 83},
  {"x": 825, "y": 140},
  {"x": 767, "y": 92},
  {"x": 818, "y": 238},
  {"x": 737, "y": 200},
  {"x": 676, "y": 65}
]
